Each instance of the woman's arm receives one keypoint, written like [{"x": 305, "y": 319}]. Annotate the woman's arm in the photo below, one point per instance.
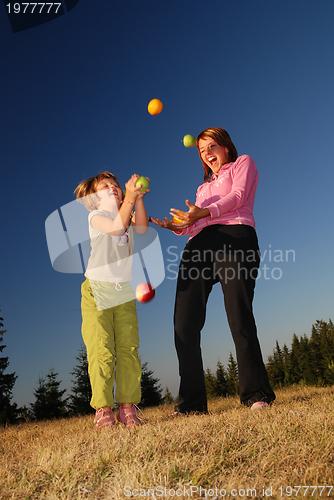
[
  {"x": 244, "y": 181},
  {"x": 189, "y": 218}
]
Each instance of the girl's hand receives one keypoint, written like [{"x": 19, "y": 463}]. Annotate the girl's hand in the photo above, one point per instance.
[
  {"x": 140, "y": 194},
  {"x": 133, "y": 193},
  {"x": 131, "y": 190},
  {"x": 188, "y": 218}
]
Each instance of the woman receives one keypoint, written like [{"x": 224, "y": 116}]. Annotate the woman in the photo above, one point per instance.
[{"x": 222, "y": 247}]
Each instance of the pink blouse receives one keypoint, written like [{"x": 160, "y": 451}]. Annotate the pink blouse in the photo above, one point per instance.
[{"x": 229, "y": 196}]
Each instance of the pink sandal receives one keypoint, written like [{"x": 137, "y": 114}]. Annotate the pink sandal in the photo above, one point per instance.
[
  {"x": 104, "y": 417},
  {"x": 129, "y": 417}
]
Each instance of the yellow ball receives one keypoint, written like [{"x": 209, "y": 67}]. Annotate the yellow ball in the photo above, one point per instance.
[
  {"x": 155, "y": 107},
  {"x": 176, "y": 220}
]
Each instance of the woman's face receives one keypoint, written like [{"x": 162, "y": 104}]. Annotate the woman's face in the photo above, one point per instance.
[{"x": 212, "y": 154}]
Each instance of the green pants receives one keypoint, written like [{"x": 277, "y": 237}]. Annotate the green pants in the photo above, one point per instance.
[{"x": 112, "y": 342}]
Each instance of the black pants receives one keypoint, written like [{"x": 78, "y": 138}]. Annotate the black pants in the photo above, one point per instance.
[{"x": 229, "y": 255}]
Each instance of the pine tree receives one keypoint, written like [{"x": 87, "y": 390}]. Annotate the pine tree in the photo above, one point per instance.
[
  {"x": 210, "y": 384},
  {"x": 287, "y": 366},
  {"x": 295, "y": 356},
  {"x": 329, "y": 373},
  {"x": 81, "y": 389},
  {"x": 39, "y": 409},
  {"x": 8, "y": 410},
  {"x": 168, "y": 398},
  {"x": 221, "y": 380},
  {"x": 232, "y": 377},
  {"x": 322, "y": 350},
  {"x": 150, "y": 388},
  {"x": 305, "y": 366},
  {"x": 49, "y": 402},
  {"x": 275, "y": 367},
  {"x": 25, "y": 414}
]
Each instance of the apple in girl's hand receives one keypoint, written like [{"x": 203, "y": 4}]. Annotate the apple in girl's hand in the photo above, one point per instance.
[
  {"x": 144, "y": 292},
  {"x": 143, "y": 182}
]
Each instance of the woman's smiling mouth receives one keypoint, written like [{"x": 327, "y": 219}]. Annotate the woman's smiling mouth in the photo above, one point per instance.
[{"x": 212, "y": 159}]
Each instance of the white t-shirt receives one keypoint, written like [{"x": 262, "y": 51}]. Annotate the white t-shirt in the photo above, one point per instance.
[{"x": 109, "y": 261}]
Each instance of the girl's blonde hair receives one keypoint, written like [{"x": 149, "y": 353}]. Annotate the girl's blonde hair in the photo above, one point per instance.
[
  {"x": 86, "y": 191},
  {"x": 221, "y": 137}
]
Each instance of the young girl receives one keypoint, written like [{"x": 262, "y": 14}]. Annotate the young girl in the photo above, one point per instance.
[{"x": 109, "y": 317}]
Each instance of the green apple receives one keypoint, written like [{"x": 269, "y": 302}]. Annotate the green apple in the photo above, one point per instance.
[
  {"x": 189, "y": 141},
  {"x": 143, "y": 182}
]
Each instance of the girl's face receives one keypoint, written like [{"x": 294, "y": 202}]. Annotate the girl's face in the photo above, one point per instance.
[
  {"x": 212, "y": 154},
  {"x": 110, "y": 194}
]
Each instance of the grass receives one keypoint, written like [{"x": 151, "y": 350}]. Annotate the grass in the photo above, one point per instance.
[{"x": 231, "y": 452}]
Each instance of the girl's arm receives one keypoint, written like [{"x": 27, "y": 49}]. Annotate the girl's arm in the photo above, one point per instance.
[
  {"x": 115, "y": 226},
  {"x": 121, "y": 222},
  {"x": 140, "y": 219}
]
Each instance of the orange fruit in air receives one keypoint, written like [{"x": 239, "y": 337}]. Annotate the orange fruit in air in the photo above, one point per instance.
[{"x": 155, "y": 107}]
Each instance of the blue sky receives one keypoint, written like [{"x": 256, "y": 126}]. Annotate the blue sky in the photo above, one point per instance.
[{"x": 74, "y": 95}]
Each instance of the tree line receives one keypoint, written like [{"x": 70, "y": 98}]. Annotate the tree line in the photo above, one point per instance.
[
  {"x": 309, "y": 361},
  {"x": 51, "y": 401}
]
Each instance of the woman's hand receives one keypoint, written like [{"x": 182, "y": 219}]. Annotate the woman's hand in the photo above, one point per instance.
[
  {"x": 188, "y": 218},
  {"x": 167, "y": 224}
]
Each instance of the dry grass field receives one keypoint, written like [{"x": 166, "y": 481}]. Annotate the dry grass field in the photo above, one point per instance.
[{"x": 286, "y": 451}]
